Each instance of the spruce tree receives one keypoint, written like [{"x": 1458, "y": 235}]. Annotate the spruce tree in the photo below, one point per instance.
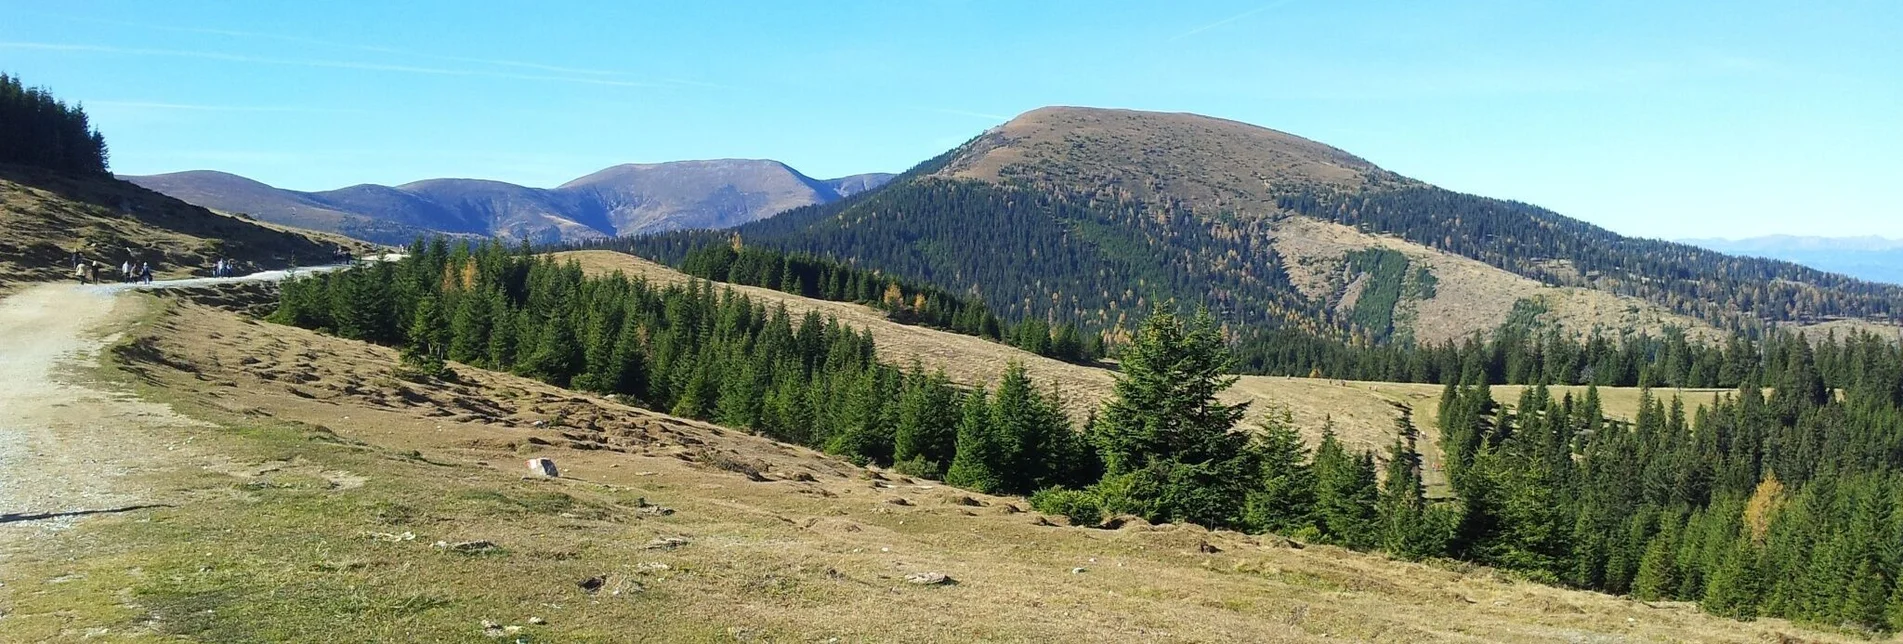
[
  {"x": 981, "y": 459},
  {"x": 469, "y": 329},
  {"x": 429, "y": 330},
  {"x": 927, "y": 430},
  {"x": 1165, "y": 438},
  {"x": 1164, "y": 405},
  {"x": 864, "y": 432},
  {"x": 1284, "y": 501},
  {"x": 1346, "y": 494},
  {"x": 1733, "y": 588},
  {"x": 1403, "y": 506},
  {"x": 1658, "y": 570},
  {"x": 501, "y": 352},
  {"x": 557, "y": 355},
  {"x": 741, "y": 395},
  {"x": 627, "y": 368},
  {"x": 1039, "y": 442}
]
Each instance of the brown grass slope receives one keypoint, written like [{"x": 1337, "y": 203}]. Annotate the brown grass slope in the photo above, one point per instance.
[
  {"x": 1471, "y": 296},
  {"x": 45, "y": 217},
  {"x": 311, "y": 514},
  {"x": 1212, "y": 165},
  {"x": 1362, "y": 413}
]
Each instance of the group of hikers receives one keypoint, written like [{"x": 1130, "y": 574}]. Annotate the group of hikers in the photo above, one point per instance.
[{"x": 89, "y": 271}]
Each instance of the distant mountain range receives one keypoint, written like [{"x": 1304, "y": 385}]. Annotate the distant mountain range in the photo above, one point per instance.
[
  {"x": 1877, "y": 259},
  {"x": 621, "y": 200}
]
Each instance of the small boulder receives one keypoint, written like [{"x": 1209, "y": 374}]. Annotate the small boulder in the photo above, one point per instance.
[
  {"x": 1122, "y": 521},
  {"x": 665, "y": 543},
  {"x": 480, "y": 545},
  {"x": 544, "y": 467},
  {"x": 929, "y": 579}
]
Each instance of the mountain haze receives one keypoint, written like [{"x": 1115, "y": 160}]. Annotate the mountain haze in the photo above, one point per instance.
[
  {"x": 1876, "y": 259},
  {"x": 621, "y": 200}
]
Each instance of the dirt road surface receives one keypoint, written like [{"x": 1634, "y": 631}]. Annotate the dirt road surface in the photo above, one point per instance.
[
  {"x": 66, "y": 444},
  {"x": 70, "y": 446}
]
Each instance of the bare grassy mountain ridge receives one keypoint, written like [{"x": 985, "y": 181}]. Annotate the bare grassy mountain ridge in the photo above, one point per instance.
[
  {"x": 620, "y": 200},
  {"x": 1084, "y": 214}
]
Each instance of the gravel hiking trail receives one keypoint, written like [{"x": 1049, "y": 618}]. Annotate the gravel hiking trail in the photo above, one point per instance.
[{"x": 69, "y": 446}]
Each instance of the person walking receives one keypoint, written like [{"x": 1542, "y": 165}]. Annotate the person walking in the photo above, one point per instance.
[
  {"x": 125, "y": 271},
  {"x": 145, "y": 272}
]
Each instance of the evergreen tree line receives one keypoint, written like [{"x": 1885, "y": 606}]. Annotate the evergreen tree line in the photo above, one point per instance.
[
  {"x": 1780, "y": 504},
  {"x": 698, "y": 353},
  {"x": 1170, "y": 450},
  {"x": 1550, "y": 357},
  {"x": 1519, "y": 352},
  {"x": 903, "y": 301},
  {"x": 1736, "y": 293},
  {"x": 39, "y": 130}
]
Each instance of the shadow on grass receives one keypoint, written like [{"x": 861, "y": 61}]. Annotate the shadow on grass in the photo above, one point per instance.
[{"x": 21, "y": 517}]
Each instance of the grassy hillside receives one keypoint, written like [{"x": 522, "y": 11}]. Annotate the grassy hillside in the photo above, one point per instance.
[
  {"x": 46, "y": 216},
  {"x": 1468, "y": 296},
  {"x": 1082, "y": 215},
  {"x": 312, "y": 511}
]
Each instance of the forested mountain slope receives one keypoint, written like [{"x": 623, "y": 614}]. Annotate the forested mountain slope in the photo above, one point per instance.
[
  {"x": 620, "y": 200},
  {"x": 1081, "y": 215}
]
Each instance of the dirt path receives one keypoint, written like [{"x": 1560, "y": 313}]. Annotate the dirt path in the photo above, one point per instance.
[{"x": 66, "y": 445}]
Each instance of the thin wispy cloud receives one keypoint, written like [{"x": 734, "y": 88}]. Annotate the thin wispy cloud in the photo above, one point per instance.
[
  {"x": 1229, "y": 19},
  {"x": 192, "y": 107},
  {"x": 376, "y": 49},
  {"x": 304, "y": 62}
]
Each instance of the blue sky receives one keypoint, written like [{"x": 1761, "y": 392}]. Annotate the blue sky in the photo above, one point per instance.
[{"x": 1665, "y": 119}]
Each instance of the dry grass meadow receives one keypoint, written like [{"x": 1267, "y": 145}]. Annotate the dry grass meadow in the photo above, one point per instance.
[{"x": 311, "y": 508}]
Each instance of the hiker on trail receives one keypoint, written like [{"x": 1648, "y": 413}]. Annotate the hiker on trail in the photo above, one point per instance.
[
  {"x": 84, "y": 271},
  {"x": 125, "y": 271},
  {"x": 218, "y": 270},
  {"x": 145, "y": 272}
]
